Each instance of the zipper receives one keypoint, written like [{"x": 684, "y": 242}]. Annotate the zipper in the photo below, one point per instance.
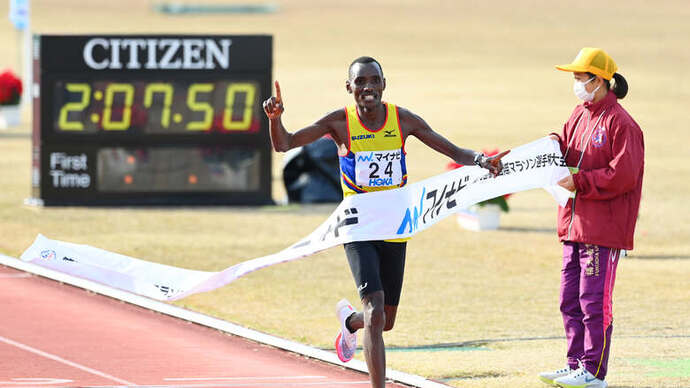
[{"x": 579, "y": 163}]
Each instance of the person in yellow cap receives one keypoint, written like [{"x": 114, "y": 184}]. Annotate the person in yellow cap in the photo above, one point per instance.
[{"x": 604, "y": 147}]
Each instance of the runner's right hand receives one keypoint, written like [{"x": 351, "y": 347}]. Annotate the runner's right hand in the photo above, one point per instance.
[
  {"x": 274, "y": 105},
  {"x": 493, "y": 163}
]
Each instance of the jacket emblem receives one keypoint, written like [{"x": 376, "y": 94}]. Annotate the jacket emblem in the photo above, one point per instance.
[{"x": 599, "y": 137}]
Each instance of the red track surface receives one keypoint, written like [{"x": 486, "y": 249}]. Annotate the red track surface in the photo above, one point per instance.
[{"x": 55, "y": 335}]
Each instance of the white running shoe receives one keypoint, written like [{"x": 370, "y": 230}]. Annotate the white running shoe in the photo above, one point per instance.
[
  {"x": 346, "y": 342},
  {"x": 549, "y": 377},
  {"x": 580, "y": 378}
]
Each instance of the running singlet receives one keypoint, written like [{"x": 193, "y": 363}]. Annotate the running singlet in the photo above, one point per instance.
[{"x": 376, "y": 157}]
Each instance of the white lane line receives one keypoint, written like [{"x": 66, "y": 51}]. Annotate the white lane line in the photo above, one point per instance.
[
  {"x": 243, "y": 378},
  {"x": 14, "y": 275},
  {"x": 62, "y": 360}
]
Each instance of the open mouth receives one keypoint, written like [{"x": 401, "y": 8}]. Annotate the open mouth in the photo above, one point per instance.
[{"x": 369, "y": 97}]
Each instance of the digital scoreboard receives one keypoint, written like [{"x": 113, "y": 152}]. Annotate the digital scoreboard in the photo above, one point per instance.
[{"x": 151, "y": 120}]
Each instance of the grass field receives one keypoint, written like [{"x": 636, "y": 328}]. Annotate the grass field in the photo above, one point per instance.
[{"x": 482, "y": 74}]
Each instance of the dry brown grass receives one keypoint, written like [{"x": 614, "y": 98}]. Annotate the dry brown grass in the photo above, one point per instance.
[{"x": 482, "y": 74}]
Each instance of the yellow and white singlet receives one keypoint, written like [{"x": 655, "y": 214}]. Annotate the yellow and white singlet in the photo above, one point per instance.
[{"x": 376, "y": 157}]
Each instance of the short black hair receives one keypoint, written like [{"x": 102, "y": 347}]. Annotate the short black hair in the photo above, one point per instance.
[{"x": 364, "y": 59}]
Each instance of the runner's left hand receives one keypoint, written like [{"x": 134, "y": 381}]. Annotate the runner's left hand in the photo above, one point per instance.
[{"x": 493, "y": 163}]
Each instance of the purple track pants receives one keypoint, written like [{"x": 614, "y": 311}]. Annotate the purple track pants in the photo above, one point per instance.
[{"x": 587, "y": 278}]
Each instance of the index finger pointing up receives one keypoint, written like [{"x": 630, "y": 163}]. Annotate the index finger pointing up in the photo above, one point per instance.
[{"x": 279, "y": 99}]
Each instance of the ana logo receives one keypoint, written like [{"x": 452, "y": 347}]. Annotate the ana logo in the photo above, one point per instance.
[
  {"x": 48, "y": 255},
  {"x": 599, "y": 137},
  {"x": 390, "y": 133}
]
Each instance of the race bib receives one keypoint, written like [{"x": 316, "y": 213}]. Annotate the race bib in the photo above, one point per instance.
[{"x": 378, "y": 168}]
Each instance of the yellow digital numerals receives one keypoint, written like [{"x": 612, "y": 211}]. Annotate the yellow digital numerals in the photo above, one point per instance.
[
  {"x": 195, "y": 106},
  {"x": 167, "y": 91},
  {"x": 249, "y": 92},
  {"x": 63, "y": 123},
  {"x": 198, "y": 106},
  {"x": 126, "y": 120}
]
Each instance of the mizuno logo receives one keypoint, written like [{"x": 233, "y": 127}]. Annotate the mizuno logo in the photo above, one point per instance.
[{"x": 390, "y": 133}]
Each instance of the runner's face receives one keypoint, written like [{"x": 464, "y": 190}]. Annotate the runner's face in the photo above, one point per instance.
[{"x": 366, "y": 83}]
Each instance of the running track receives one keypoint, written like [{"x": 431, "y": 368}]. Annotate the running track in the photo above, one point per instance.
[{"x": 56, "y": 335}]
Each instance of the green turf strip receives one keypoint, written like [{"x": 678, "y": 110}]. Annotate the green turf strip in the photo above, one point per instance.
[{"x": 665, "y": 368}]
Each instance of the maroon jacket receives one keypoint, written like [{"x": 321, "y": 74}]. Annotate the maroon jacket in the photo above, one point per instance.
[{"x": 609, "y": 182}]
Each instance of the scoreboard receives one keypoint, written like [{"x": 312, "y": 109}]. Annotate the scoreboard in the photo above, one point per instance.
[{"x": 151, "y": 120}]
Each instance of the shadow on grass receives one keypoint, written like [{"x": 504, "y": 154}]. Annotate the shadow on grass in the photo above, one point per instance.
[
  {"x": 630, "y": 386},
  {"x": 472, "y": 376}
]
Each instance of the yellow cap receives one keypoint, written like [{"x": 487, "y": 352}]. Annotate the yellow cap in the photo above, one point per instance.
[{"x": 592, "y": 60}]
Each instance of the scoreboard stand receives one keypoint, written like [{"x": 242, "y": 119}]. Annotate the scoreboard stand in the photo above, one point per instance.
[{"x": 151, "y": 120}]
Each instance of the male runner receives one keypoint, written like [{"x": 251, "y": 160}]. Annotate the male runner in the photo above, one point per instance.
[{"x": 370, "y": 125}]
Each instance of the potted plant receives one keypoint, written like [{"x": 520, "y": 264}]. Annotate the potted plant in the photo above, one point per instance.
[
  {"x": 10, "y": 96},
  {"x": 485, "y": 215}
]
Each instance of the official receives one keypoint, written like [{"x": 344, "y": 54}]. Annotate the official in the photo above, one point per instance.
[{"x": 604, "y": 147}]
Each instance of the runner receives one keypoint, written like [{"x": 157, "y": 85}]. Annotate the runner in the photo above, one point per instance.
[
  {"x": 605, "y": 148},
  {"x": 370, "y": 136}
]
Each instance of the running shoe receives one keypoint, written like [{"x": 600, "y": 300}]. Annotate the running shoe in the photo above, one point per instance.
[
  {"x": 550, "y": 376},
  {"x": 580, "y": 378},
  {"x": 346, "y": 342}
]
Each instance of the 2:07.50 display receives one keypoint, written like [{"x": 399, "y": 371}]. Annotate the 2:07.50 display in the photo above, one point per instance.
[{"x": 155, "y": 107}]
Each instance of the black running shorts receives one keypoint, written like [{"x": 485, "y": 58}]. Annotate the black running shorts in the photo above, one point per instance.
[{"x": 377, "y": 265}]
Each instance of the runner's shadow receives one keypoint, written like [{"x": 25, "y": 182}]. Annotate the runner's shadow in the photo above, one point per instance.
[{"x": 523, "y": 229}]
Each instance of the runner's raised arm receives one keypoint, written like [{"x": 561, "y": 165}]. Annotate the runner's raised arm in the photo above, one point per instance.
[{"x": 283, "y": 140}]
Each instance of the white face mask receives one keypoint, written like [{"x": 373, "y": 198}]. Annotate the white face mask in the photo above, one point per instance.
[{"x": 581, "y": 92}]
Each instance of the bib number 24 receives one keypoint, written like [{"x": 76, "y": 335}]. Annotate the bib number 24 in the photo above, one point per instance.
[
  {"x": 378, "y": 168},
  {"x": 374, "y": 167}
]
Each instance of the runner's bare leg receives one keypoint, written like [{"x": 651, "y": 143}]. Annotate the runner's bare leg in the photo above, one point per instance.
[
  {"x": 374, "y": 348},
  {"x": 356, "y": 321}
]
